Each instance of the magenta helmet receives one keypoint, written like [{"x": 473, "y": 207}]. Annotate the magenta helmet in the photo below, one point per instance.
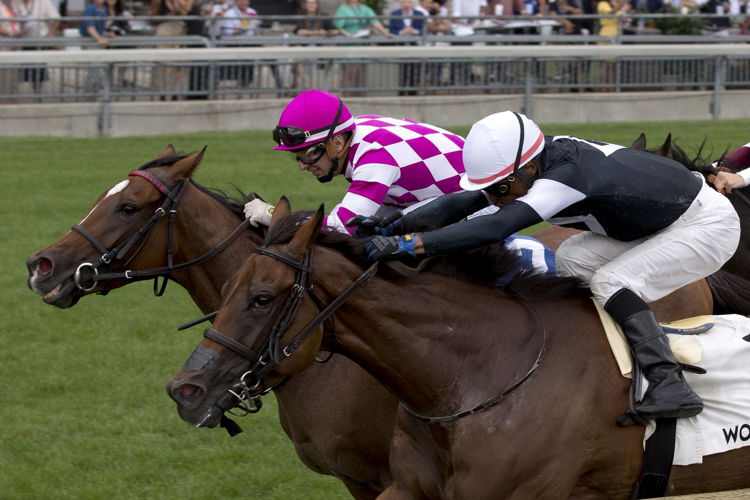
[{"x": 312, "y": 117}]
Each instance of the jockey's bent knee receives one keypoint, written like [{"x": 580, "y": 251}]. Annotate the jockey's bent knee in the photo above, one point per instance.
[
  {"x": 570, "y": 260},
  {"x": 604, "y": 284}
]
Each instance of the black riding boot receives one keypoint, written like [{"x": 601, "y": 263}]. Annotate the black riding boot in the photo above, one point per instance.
[{"x": 668, "y": 394}]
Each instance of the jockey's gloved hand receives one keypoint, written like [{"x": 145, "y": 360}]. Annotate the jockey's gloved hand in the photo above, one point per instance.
[
  {"x": 388, "y": 247},
  {"x": 258, "y": 212},
  {"x": 368, "y": 225}
]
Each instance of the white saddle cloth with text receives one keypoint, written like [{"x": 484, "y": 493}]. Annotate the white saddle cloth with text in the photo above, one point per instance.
[{"x": 724, "y": 352}]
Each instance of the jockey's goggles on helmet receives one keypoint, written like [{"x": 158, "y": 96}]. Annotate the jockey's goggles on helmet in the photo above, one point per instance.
[
  {"x": 310, "y": 155},
  {"x": 294, "y": 136}
]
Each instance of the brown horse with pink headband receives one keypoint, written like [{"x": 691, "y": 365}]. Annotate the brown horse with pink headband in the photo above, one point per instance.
[{"x": 126, "y": 237}]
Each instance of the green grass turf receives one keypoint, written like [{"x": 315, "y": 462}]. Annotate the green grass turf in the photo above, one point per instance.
[{"x": 83, "y": 412}]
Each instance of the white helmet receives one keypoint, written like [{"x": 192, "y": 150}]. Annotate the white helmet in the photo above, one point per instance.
[{"x": 492, "y": 146}]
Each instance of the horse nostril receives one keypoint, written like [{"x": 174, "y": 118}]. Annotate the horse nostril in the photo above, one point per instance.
[
  {"x": 188, "y": 390},
  {"x": 43, "y": 266}
]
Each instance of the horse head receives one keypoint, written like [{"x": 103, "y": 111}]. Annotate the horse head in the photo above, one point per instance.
[
  {"x": 125, "y": 229},
  {"x": 255, "y": 341}
]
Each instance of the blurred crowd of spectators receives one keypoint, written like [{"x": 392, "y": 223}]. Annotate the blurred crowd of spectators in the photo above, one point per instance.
[
  {"x": 237, "y": 21},
  {"x": 354, "y": 18}
]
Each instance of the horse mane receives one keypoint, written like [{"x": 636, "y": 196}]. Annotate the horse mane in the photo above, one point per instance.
[
  {"x": 234, "y": 204},
  {"x": 483, "y": 266},
  {"x": 695, "y": 164},
  {"x": 487, "y": 265},
  {"x": 700, "y": 162}
]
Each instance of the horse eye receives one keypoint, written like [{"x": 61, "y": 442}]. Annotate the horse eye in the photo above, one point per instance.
[
  {"x": 128, "y": 209},
  {"x": 262, "y": 300}
]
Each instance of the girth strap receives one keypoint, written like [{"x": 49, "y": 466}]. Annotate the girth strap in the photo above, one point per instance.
[{"x": 657, "y": 460}]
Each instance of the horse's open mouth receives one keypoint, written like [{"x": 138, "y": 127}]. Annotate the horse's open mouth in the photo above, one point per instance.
[{"x": 64, "y": 295}]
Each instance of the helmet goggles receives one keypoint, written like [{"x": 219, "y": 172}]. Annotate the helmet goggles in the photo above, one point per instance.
[{"x": 293, "y": 136}]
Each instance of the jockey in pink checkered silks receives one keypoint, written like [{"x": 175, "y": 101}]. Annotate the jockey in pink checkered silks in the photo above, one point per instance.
[{"x": 391, "y": 163}]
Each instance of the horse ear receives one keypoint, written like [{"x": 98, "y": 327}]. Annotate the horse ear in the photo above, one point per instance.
[
  {"x": 168, "y": 151},
  {"x": 184, "y": 168},
  {"x": 640, "y": 143},
  {"x": 305, "y": 236},
  {"x": 665, "y": 148},
  {"x": 282, "y": 209}
]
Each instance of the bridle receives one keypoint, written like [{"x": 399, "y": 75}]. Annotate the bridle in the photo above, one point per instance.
[
  {"x": 109, "y": 256},
  {"x": 252, "y": 383}
]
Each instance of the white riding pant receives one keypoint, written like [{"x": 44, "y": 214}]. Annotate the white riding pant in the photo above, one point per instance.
[{"x": 697, "y": 244}]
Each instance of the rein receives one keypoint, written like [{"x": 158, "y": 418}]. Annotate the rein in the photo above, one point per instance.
[
  {"x": 498, "y": 398},
  {"x": 270, "y": 355},
  {"x": 108, "y": 256}
]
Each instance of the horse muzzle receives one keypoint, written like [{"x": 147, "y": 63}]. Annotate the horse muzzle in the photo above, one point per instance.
[
  {"x": 56, "y": 287},
  {"x": 193, "y": 403}
]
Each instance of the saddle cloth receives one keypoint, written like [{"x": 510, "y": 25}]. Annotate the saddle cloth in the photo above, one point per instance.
[{"x": 724, "y": 352}]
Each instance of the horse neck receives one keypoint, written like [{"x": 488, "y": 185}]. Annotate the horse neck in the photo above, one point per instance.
[
  {"x": 438, "y": 344},
  {"x": 202, "y": 223}
]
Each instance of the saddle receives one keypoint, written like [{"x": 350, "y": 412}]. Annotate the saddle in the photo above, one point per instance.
[{"x": 685, "y": 347}]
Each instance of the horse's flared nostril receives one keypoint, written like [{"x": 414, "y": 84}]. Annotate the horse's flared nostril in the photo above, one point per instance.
[
  {"x": 185, "y": 393},
  {"x": 41, "y": 266},
  {"x": 187, "y": 390}
]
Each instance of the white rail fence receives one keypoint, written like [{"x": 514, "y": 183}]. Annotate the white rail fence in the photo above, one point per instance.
[{"x": 105, "y": 78}]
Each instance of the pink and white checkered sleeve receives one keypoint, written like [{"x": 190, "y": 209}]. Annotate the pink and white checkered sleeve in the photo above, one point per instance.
[{"x": 370, "y": 184}]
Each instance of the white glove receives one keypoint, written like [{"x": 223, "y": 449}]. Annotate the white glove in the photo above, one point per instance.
[{"x": 258, "y": 212}]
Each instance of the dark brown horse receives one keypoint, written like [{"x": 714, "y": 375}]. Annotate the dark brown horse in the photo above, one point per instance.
[
  {"x": 339, "y": 419},
  {"x": 503, "y": 395}
]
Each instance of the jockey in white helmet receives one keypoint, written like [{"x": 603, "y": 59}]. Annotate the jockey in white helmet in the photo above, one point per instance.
[{"x": 651, "y": 227}]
